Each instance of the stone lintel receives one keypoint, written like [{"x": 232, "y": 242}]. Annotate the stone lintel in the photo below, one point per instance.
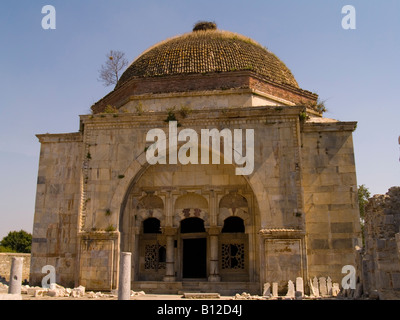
[
  {"x": 210, "y": 116},
  {"x": 214, "y": 230},
  {"x": 281, "y": 233},
  {"x": 169, "y": 231}
]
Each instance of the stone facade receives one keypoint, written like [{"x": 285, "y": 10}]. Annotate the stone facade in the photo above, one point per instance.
[{"x": 296, "y": 215}]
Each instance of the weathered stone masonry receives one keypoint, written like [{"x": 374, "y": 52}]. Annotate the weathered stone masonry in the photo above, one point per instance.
[
  {"x": 381, "y": 254},
  {"x": 295, "y": 216}
]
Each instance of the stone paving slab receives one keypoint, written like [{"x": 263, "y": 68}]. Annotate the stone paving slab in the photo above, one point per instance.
[{"x": 6, "y": 296}]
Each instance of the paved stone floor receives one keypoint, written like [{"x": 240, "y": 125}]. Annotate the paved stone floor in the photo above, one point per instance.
[{"x": 107, "y": 296}]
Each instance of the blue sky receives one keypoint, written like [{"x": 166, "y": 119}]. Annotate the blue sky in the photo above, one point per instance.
[{"x": 49, "y": 77}]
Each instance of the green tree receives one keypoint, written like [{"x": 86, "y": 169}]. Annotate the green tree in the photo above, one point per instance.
[
  {"x": 363, "y": 196},
  {"x": 16, "y": 241}
]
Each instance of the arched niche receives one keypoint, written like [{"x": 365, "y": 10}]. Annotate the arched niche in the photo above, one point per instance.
[
  {"x": 233, "y": 225},
  {"x": 150, "y": 206},
  {"x": 192, "y": 225},
  {"x": 190, "y": 205},
  {"x": 233, "y": 205},
  {"x": 151, "y": 226}
]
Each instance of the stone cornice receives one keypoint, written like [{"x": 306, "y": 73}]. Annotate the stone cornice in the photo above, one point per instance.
[
  {"x": 60, "y": 137},
  {"x": 98, "y": 235},
  {"x": 245, "y": 115},
  {"x": 329, "y": 126}
]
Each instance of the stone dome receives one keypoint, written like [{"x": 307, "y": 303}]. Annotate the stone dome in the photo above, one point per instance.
[{"x": 208, "y": 50}]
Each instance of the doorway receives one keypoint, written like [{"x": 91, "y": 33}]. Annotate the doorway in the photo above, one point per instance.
[{"x": 194, "y": 258}]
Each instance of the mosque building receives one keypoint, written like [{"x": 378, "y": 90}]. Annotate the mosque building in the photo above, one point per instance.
[{"x": 195, "y": 222}]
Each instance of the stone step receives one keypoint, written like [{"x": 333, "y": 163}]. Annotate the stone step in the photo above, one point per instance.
[
  {"x": 190, "y": 284},
  {"x": 201, "y": 295}
]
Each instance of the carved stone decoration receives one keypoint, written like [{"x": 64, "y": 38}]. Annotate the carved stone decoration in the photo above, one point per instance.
[
  {"x": 233, "y": 256},
  {"x": 190, "y": 205},
  {"x": 152, "y": 258},
  {"x": 150, "y": 206},
  {"x": 233, "y": 204}
]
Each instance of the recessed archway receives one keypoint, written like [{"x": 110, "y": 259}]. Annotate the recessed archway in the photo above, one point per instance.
[
  {"x": 192, "y": 225},
  {"x": 151, "y": 225},
  {"x": 233, "y": 224},
  {"x": 192, "y": 203}
]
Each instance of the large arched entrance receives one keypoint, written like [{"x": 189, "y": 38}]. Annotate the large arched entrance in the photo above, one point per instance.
[{"x": 195, "y": 223}]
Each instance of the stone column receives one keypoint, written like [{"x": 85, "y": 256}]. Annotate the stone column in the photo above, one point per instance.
[
  {"x": 124, "y": 287},
  {"x": 170, "y": 258},
  {"x": 16, "y": 276},
  {"x": 214, "y": 257}
]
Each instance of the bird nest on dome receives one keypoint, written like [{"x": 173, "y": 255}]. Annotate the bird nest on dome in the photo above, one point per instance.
[{"x": 205, "y": 25}]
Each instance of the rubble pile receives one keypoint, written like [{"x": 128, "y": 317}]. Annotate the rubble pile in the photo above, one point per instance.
[{"x": 58, "y": 291}]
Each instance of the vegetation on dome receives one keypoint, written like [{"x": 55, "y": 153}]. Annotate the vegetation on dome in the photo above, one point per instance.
[
  {"x": 204, "y": 26},
  {"x": 208, "y": 50}
]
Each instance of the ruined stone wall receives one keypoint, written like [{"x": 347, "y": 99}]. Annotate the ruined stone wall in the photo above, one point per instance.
[
  {"x": 381, "y": 264},
  {"x": 5, "y": 265}
]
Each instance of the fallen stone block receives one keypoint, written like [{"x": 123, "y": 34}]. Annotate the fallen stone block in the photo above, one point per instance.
[
  {"x": 24, "y": 289},
  {"x": 40, "y": 292},
  {"x": 139, "y": 293},
  {"x": 243, "y": 296},
  {"x": 78, "y": 292},
  {"x": 94, "y": 295},
  {"x": 31, "y": 291}
]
